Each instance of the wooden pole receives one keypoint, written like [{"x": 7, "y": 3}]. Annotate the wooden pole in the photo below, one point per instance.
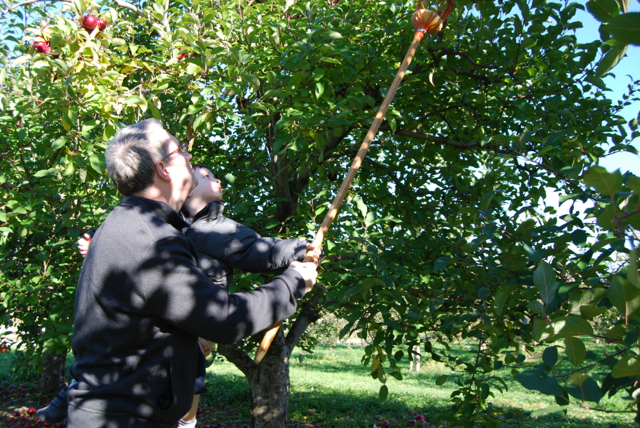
[{"x": 346, "y": 184}]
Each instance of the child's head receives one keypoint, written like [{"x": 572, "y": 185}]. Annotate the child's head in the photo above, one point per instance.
[
  {"x": 207, "y": 190},
  {"x": 209, "y": 187}
]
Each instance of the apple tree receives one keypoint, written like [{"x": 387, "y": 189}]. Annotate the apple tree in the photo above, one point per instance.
[{"x": 445, "y": 234}]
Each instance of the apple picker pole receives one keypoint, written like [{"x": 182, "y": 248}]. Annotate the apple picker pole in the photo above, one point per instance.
[{"x": 425, "y": 21}]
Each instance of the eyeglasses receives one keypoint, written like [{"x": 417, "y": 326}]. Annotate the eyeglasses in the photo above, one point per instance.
[{"x": 181, "y": 149}]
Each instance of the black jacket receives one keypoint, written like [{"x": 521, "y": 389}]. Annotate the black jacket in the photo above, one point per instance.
[
  {"x": 141, "y": 303},
  {"x": 224, "y": 244}
]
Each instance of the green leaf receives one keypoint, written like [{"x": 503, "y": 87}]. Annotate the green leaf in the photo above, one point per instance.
[
  {"x": 441, "y": 263},
  {"x": 45, "y": 172},
  {"x": 575, "y": 350},
  {"x": 384, "y": 392},
  {"x": 571, "y": 326},
  {"x": 611, "y": 59},
  {"x": 501, "y": 297},
  {"x": 544, "y": 278},
  {"x": 97, "y": 163},
  {"x": 274, "y": 93},
  {"x": 607, "y": 220},
  {"x": 440, "y": 380},
  {"x": 625, "y": 297},
  {"x": 541, "y": 329},
  {"x": 548, "y": 410},
  {"x": 537, "y": 380},
  {"x": 626, "y": 366},
  {"x": 136, "y": 100},
  {"x": 253, "y": 80},
  {"x": 193, "y": 69},
  {"x": 550, "y": 356},
  {"x": 589, "y": 297},
  {"x": 603, "y": 10},
  {"x": 632, "y": 272},
  {"x": 582, "y": 387},
  {"x": 605, "y": 183},
  {"x": 625, "y": 28},
  {"x": 536, "y": 307},
  {"x": 202, "y": 118},
  {"x": 633, "y": 183},
  {"x": 319, "y": 89},
  {"x": 589, "y": 312},
  {"x": 362, "y": 207}
]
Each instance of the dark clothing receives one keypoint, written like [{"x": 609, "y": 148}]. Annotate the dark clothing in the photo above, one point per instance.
[
  {"x": 224, "y": 244},
  {"x": 200, "y": 386},
  {"x": 141, "y": 304}
]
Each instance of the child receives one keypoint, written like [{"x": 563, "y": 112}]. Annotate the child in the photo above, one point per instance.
[{"x": 222, "y": 245}]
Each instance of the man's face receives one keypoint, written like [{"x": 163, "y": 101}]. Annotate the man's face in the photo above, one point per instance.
[
  {"x": 208, "y": 187},
  {"x": 177, "y": 163}
]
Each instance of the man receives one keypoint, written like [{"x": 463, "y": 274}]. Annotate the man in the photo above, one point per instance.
[{"x": 141, "y": 300}]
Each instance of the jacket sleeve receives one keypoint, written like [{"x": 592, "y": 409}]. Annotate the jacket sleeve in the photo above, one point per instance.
[
  {"x": 176, "y": 290},
  {"x": 242, "y": 248}
]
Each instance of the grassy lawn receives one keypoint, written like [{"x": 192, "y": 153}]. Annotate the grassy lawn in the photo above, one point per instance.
[{"x": 330, "y": 388}]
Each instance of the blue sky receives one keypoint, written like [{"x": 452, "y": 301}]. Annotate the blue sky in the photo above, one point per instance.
[{"x": 628, "y": 66}]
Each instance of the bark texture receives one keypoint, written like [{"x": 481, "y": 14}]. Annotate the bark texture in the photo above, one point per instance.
[
  {"x": 52, "y": 377},
  {"x": 269, "y": 381}
]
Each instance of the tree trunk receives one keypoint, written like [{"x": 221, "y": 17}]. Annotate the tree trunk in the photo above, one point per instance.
[
  {"x": 270, "y": 387},
  {"x": 52, "y": 377},
  {"x": 269, "y": 380}
]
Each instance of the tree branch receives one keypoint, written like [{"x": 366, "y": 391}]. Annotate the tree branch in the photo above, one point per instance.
[
  {"x": 25, "y": 3},
  {"x": 462, "y": 54},
  {"x": 438, "y": 140},
  {"x": 239, "y": 358},
  {"x": 308, "y": 315},
  {"x": 131, "y": 7},
  {"x": 482, "y": 77}
]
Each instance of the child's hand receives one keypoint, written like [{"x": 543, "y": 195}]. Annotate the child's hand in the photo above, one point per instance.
[
  {"x": 206, "y": 346},
  {"x": 314, "y": 253},
  {"x": 83, "y": 244},
  {"x": 308, "y": 271}
]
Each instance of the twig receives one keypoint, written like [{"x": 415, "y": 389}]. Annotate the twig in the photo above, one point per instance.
[{"x": 131, "y": 7}]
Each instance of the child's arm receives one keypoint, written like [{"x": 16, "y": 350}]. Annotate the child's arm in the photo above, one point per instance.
[{"x": 242, "y": 248}]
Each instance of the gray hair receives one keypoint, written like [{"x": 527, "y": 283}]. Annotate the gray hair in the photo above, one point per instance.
[{"x": 132, "y": 156}]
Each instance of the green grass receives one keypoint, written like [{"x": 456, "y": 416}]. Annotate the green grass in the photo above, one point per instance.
[
  {"x": 339, "y": 390},
  {"x": 334, "y": 385}
]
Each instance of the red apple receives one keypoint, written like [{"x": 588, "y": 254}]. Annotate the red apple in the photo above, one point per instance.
[
  {"x": 42, "y": 47},
  {"x": 89, "y": 22},
  {"x": 102, "y": 24}
]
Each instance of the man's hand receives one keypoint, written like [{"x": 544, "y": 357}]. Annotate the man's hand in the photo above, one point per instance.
[
  {"x": 83, "y": 244},
  {"x": 313, "y": 252},
  {"x": 308, "y": 271}
]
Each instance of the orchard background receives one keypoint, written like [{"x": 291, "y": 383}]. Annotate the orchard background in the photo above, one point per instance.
[{"x": 445, "y": 234}]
